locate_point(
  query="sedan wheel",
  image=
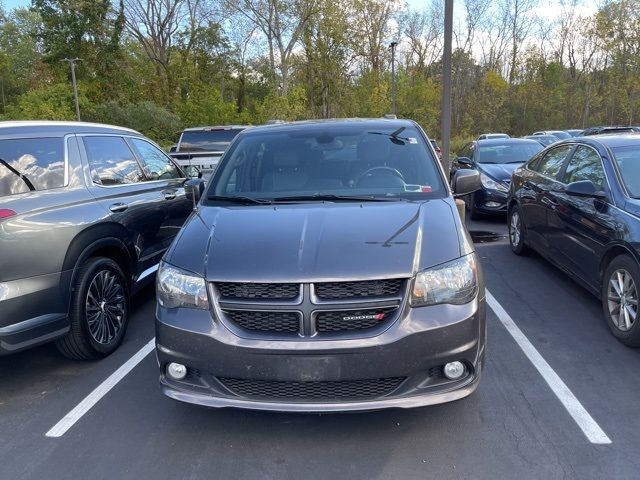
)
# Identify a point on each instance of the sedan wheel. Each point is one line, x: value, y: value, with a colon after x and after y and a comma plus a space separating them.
x: 620, y: 286
x: 622, y: 300
x: 516, y: 232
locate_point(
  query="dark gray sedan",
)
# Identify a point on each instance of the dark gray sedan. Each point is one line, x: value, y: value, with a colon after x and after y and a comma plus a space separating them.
x: 326, y: 269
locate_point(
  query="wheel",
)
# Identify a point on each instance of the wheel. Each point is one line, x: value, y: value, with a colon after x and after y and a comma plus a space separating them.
x: 100, y: 311
x: 516, y: 232
x: 620, y: 299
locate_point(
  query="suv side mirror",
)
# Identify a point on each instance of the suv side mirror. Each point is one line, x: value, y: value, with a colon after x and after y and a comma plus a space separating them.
x: 466, y: 182
x: 194, y: 188
x: 466, y: 161
x: 584, y: 188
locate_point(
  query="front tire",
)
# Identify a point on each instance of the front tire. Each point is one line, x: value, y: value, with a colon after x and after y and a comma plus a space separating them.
x: 100, y: 311
x: 516, y: 232
x: 620, y: 288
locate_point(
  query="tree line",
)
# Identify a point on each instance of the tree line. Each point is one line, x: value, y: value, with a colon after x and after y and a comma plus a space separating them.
x: 161, y: 65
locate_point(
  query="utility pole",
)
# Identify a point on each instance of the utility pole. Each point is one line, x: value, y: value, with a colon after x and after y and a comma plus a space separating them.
x: 393, y: 76
x: 72, y: 63
x: 445, y: 121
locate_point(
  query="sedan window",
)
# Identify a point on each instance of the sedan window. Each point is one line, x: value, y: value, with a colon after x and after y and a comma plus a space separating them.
x: 585, y: 165
x: 551, y: 163
x: 628, y: 161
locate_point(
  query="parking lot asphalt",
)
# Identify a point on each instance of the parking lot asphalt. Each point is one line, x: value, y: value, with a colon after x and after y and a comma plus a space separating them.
x: 514, y: 426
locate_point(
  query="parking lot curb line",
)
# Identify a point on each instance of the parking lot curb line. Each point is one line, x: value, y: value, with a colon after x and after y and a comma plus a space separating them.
x: 100, y: 391
x: 585, y: 421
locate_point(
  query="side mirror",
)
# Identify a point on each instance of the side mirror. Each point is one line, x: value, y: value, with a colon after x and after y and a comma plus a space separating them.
x: 194, y: 188
x: 466, y: 161
x: 466, y: 182
x: 584, y: 188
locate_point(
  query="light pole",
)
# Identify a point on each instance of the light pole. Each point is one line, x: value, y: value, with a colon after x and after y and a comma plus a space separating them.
x: 393, y: 76
x: 445, y: 121
x: 72, y: 63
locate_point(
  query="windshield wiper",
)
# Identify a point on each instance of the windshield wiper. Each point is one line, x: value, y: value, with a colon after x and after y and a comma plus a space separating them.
x: 394, y: 136
x: 516, y: 161
x: 339, y: 198
x: 26, y: 181
x: 240, y: 199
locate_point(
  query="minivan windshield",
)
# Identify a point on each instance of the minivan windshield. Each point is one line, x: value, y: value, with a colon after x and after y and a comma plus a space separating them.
x: 336, y: 162
x: 516, y: 152
x: 628, y: 160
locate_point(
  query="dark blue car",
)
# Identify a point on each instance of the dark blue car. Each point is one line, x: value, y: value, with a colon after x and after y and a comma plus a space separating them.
x: 577, y: 203
x: 496, y: 160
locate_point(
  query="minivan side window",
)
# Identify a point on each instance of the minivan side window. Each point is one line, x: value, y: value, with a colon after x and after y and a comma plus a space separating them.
x: 111, y: 161
x: 31, y: 164
x: 585, y: 165
x: 156, y: 163
x: 551, y: 163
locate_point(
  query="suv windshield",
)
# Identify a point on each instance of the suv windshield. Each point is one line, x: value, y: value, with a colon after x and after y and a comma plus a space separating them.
x: 31, y: 164
x: 628, y: 160
x: 505, y: 153
x: 207, y: 140
x: 329, y: 162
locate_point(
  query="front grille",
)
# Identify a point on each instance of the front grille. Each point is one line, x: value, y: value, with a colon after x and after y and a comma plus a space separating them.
x: 372, y: 288
x: 352, y: 320
x: 258, y: 291
x: 265, y: 322
x: 343, y: 389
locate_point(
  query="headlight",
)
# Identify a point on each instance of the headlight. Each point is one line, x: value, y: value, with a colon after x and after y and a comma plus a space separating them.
x: 455, y: 282
x: 490, y: 184
x: 178, y: 288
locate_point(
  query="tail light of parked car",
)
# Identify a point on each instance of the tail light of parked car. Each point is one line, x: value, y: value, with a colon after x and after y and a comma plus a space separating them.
x: 6, y: 213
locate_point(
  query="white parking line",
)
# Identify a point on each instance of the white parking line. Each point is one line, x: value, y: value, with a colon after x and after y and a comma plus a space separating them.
x: 100, y: 391
x: 579, y: 414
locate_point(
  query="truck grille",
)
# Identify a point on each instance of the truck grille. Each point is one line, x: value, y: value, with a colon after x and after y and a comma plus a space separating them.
x: 374, y: 288
x: 261, y: 291
x: 343, y: 389
x: 265, y: 322
x: 352, y: 320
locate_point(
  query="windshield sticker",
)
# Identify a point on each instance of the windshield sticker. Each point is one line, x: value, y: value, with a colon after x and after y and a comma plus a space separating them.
x: 412, y: 140
x: 418, y: 188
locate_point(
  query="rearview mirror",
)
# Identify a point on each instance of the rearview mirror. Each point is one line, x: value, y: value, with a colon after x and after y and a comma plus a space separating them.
x: 466, y: 182
x: 464, y: 161
x: 194, y: 188
x: 584, y: 188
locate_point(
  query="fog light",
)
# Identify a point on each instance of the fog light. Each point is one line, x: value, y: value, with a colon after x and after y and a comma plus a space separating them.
x: 492, y: 204
x: 177, y: 371
x: 454, y: 370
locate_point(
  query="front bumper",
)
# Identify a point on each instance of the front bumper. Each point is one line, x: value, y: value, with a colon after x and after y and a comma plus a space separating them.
x: 491, y: 202
x: 413, y: 348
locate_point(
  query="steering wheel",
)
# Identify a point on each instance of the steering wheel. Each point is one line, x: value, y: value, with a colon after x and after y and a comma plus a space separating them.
x: 393, y: 171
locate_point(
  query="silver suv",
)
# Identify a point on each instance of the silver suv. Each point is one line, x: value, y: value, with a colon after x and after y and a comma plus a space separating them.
x: 86, y: 212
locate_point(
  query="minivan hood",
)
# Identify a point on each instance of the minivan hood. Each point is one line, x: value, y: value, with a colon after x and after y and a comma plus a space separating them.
x: 319, y: 241
x: 499, y: 171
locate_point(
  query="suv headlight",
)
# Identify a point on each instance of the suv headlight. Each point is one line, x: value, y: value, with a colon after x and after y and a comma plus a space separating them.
x: 491, y: 184
x: 178, y: 288
x: 455, y: 282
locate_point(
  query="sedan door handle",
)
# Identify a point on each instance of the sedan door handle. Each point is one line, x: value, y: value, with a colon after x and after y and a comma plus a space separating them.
x: 169, y: 195
x: 550, y: 202
x: 118, y: 207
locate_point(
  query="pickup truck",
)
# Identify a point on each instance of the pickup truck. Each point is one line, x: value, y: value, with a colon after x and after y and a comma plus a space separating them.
x: 202, y: 147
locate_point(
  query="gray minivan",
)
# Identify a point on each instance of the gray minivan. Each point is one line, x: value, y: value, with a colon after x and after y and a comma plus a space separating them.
x: 86, y: 213
x: 326, y: 269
